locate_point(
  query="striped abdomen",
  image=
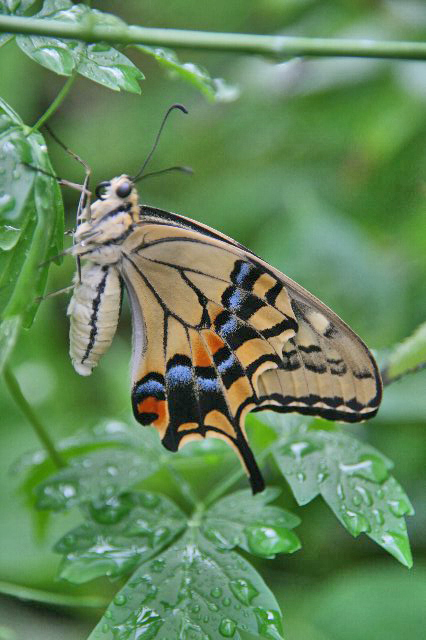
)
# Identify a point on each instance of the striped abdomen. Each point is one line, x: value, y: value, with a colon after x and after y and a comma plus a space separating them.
x: 94, y: 310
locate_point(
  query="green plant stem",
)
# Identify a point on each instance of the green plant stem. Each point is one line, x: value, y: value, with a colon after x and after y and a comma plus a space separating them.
x: 223, y: 487
x: 277, y: 46
x: 55, y: 104
x: 183, y: 486
x: 19, y: 398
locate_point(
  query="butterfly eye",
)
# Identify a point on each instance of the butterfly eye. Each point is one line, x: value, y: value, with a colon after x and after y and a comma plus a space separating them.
x: 100, y: 189
x: 124, y: 189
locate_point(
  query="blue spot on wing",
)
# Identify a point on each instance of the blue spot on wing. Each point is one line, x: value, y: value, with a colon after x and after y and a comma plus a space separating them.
x: 242, y: 273
x: 226, y: 364
x: 235, y: 300
x: 179, y: 374
x: 229, y: 326
x: 151, y: 387
x: 208, y: 384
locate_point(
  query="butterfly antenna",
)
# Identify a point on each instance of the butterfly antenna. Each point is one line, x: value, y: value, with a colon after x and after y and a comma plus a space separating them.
x: 168, y: 170
x: 83, y: 209
x: 157, y: 139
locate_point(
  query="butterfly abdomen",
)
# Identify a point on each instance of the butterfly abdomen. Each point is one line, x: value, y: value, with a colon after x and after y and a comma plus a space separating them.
x: 94, y: 310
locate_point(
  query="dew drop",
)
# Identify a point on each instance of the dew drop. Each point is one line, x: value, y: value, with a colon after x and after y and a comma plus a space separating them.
x: 243, y: 590
x: 399, y: 507
x: 112, y: 510
x: 356, y: 500
x: 158, y: 565
x: 321, y: 477
x: 340, y: 492
x: 120, y: 599
x: 369, y: 466
x: 149, y: 500
x: 218, y: 539
x: 301, y: 477
x: 364, y: 494
x: 216, y: 592
x: 378, y: 516
x: 213, y: 607
x: 355, y: 522
x: 269, y: 540
x: 226, y: 602
x: 227, y: 628
x: 397, y: 544
x: 298, y: 450
x: 7, y: 203
x: 268, y: 623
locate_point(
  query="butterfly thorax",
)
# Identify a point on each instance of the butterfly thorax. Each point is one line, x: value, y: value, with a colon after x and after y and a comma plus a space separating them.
x: 111, y: 219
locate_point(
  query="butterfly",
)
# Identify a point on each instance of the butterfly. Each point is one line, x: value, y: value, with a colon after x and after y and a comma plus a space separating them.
x: 217, y: 332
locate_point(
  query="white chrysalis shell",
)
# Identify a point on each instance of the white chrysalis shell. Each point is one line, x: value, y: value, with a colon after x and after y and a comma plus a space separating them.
x: 94, y: 310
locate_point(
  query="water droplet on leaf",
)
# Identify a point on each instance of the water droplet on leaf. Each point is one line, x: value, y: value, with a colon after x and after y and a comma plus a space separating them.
x: 269, y: 623
x: 369, y: 466
x: 298, y: 450
x: 227, y: 628
x: 399, y: 507
x: 120, y: 600
x: 7, y: 203
x: 355, y: 522
x: 397, y: 544
x: 243, y: 590
x: 112, y: 510
x: 268, y: 540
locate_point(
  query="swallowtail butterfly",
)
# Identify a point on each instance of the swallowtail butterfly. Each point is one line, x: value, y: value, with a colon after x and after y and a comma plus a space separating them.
x: 217, y: 332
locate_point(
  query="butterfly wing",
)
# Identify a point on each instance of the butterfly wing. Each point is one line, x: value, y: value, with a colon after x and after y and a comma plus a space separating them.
x: 219, y: 333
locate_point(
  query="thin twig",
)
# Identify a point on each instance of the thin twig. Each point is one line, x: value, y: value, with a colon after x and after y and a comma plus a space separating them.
x: 24, y: 406
x: 277, y: 46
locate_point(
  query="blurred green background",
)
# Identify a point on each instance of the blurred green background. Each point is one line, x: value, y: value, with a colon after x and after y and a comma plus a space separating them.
x: 319, y: 167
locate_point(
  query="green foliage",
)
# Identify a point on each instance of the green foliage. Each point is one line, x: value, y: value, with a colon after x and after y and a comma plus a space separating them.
x: 212, y: 88
x: 101, y: 62
x: 31, y: 215
x: 351, y: 476
x: 407, y: 356
x: 98, y: 62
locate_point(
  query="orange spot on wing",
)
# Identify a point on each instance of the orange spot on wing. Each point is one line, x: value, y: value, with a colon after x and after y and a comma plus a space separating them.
x: 214, y: 342
x: 156, y: 407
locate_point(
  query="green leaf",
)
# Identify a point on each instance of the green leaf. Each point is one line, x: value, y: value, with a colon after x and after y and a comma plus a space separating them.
x: 99, y: 62
x: 407, y: 356
x: 119, y: 534
x: 96, y: 476
x: 214, y: 89
x: 31, y: 219
x: 244, y: 520
x: 13, y: 8
x: 352, y: 477
x: 192, y: 591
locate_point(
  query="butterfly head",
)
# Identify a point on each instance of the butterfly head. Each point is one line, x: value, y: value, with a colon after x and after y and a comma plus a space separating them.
x: 112, y: 217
